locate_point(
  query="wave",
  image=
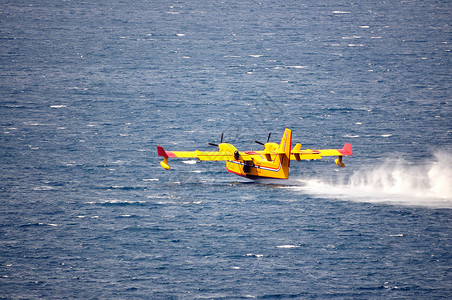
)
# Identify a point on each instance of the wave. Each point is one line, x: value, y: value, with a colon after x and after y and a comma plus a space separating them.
x: 396, y: 181
x: 117, y: 202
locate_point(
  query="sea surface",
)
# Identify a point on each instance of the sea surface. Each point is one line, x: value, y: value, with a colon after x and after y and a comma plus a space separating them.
x: 88, y: 89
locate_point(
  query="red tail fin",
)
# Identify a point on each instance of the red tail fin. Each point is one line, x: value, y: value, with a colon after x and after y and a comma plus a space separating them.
x: 161, y: 152
x: 347, y: 150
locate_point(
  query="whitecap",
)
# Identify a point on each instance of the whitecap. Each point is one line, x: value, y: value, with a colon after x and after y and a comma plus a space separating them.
x: 44, y: 188
x: 30, y: 123
x: 117, y: 202
x: 49, y: 224
x: 255, y: 255
x: 296, y: 67
x: 287, y: 246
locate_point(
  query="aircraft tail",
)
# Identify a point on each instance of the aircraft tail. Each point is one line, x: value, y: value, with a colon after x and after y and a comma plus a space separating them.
x: 283, y: 157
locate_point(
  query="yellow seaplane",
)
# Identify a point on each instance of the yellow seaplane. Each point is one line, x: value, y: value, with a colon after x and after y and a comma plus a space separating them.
x: 272, y: 162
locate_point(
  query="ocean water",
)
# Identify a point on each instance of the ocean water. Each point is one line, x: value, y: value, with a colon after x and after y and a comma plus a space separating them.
x: 89, y: 88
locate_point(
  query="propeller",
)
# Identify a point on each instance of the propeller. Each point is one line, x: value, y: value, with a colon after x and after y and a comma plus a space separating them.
x: 221, y: 141
x: 268, y: 139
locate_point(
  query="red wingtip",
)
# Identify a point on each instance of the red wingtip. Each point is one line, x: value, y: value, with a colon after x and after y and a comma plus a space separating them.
x: 161, y: 152
x: 347, y: 150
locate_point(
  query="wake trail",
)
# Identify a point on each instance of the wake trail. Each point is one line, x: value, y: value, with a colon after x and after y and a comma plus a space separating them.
x: 428, y: 183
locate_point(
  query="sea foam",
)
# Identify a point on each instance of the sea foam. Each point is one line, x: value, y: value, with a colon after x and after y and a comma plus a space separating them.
x: 428, y: 183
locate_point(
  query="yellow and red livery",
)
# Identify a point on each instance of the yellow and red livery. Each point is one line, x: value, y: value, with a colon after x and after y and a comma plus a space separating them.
x: 272, y: 162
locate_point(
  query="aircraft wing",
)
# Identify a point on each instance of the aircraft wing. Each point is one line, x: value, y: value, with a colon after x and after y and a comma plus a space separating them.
x: 201, y: 155
x: 298, y: 154
x: 347, y: 150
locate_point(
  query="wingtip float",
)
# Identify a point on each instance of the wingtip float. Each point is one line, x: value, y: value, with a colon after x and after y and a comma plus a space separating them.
x: 272, y: 162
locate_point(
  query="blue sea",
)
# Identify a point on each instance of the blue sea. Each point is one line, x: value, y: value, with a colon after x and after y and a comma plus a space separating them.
x: 88, y: 89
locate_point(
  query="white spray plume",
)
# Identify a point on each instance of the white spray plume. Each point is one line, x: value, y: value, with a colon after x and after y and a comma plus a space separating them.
x: 428, y: 183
